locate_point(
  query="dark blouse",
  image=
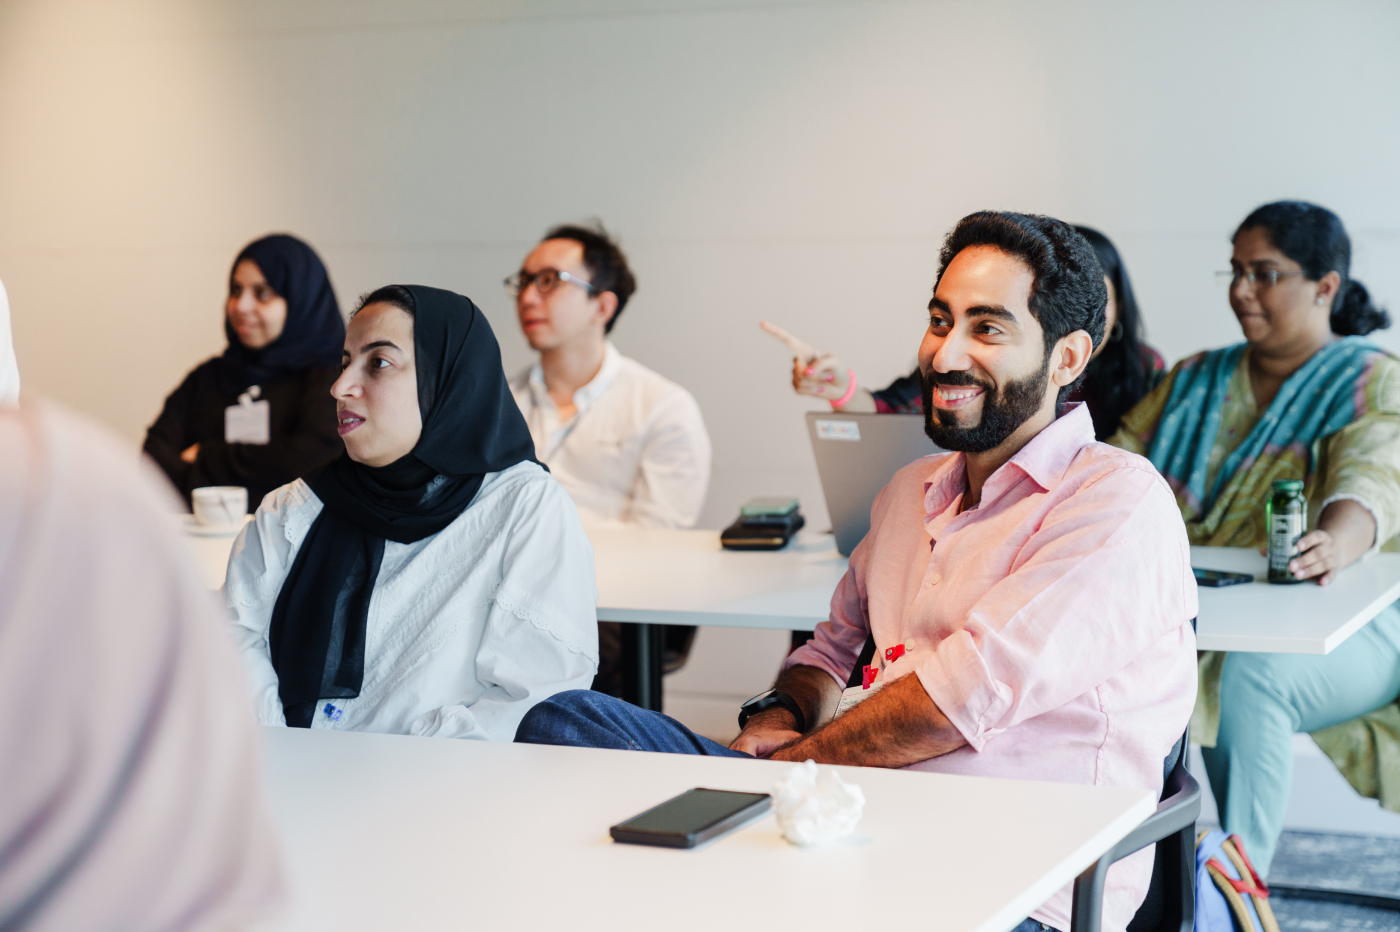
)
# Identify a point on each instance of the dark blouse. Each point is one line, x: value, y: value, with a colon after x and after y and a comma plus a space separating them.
x: 302, y: 433
x: 905, y: 395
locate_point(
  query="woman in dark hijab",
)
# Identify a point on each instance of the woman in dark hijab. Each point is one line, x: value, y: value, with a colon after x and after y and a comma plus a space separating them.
x: 433, y: 580
x: 261, y: 414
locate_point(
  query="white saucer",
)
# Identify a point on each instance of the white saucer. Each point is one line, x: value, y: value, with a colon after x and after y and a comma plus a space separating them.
x: 194, y: 528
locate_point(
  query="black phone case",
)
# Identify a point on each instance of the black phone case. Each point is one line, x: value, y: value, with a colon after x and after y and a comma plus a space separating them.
x: 762, y: 532
x: 1231, y: 579
x: 632, y: 836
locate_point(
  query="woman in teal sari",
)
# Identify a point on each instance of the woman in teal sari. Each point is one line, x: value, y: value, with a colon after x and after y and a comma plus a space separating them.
x: 1307, y: 397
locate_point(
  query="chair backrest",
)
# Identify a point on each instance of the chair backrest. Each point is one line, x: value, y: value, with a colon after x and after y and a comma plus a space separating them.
x: 1165, y: 908
x: 867, y: 654
x: 1174, y: 757
x: 1171, y: 895
x: 1162, y: 909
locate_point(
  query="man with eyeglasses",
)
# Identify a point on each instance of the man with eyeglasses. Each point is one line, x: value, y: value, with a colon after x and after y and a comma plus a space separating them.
x: 628, y: 445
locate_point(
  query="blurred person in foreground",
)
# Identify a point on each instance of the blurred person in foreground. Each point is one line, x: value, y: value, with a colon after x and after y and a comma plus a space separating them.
x: 9, y: 368
x: 132, y: 793
x: 1123, y: 368
x: 1030, y: 596
x: 628, y: 445
x: 1305, y: 397
x: 260, y: 414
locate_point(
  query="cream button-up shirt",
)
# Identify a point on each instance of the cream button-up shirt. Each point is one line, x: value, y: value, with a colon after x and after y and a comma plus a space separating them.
x: 468, y: 628
x: 636, y: 450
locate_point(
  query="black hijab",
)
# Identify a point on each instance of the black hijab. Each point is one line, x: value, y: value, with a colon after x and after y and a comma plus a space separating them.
x: 314, y: 333
x: 471, y: 426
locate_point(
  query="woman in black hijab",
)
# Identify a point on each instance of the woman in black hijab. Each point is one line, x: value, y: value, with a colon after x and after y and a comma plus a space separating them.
x: 433, y: 580
x: 261, y: 414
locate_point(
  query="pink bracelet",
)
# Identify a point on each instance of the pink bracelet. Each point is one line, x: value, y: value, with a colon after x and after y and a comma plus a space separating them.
x: 850, y: 390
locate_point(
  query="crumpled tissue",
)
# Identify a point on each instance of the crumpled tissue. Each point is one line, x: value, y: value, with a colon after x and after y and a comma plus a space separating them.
x: 814, y: 811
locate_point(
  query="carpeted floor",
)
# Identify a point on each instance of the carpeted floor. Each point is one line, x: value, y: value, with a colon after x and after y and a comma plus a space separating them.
x: 1316, y: 916
x: 1316, y: 861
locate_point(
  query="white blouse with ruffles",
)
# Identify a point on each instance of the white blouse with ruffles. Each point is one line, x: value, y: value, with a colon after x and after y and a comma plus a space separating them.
x: 467, y: 629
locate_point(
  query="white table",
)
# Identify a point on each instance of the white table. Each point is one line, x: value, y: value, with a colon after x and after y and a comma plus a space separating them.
x: 677, y: 577
x: 387, y: 832
x: 686, y: 578
x: 650, y: 578
x: 1300, y: 619
x: 211, y: 557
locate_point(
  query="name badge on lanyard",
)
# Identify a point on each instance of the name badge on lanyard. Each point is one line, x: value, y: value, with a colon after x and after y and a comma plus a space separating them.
x: 872, y: 678
x: 249, y: 421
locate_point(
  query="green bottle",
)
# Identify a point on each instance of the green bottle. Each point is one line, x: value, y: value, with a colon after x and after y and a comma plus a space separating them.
x: 1286, y: 518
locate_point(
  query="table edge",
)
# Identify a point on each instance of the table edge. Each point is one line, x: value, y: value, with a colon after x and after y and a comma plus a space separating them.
x: 1071, y: 867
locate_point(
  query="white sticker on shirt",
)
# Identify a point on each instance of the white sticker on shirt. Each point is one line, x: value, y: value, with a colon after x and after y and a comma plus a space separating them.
x: 854, y: 695
x: 248, y: 422
x: 838, y: 430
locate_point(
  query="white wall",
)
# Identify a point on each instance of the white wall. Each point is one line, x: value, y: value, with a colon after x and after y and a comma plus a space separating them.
x: 793, y: 160
x: 787, y: 159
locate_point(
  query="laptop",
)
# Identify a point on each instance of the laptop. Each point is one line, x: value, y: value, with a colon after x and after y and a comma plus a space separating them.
x: 857, y: 455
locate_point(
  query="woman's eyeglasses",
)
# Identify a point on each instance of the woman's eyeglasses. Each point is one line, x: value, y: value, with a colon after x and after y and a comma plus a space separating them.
x: 546, y: 280
x: 1267, y: 278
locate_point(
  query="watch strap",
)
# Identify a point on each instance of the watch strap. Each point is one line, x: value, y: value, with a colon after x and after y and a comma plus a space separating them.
x: 774, y: 698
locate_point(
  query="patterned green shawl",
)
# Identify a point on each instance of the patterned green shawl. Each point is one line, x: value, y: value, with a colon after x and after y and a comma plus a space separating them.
x: 1348, y: 392
x: 1318, y: 400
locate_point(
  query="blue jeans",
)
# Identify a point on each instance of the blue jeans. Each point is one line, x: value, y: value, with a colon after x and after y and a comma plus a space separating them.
x: 1267, y: 698
x: 1033, y: 925
x: 581, y: 718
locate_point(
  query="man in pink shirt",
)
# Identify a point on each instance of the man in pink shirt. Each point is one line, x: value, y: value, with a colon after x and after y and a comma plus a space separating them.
x: 1036, y: 584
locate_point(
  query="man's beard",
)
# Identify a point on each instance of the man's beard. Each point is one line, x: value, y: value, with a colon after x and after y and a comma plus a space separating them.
x: 1002, y: 412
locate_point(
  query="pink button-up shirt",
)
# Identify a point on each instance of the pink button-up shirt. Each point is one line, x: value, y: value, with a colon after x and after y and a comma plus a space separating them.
x: 1051, y: 624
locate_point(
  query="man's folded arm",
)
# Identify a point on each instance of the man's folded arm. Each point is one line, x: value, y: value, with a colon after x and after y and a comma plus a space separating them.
x: 814, y: 691
x: 898, y: 726
x: 1080, y: 607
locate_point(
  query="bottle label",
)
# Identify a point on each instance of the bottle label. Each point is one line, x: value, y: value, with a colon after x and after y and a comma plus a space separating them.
x: 1284, y: 531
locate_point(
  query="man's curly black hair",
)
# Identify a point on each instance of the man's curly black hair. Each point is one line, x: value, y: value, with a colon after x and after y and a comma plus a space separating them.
x: 1067, y: 293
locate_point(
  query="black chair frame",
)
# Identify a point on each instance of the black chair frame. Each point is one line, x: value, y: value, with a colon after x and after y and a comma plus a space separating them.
x: 1170, y: 905
x: 1171, y: 899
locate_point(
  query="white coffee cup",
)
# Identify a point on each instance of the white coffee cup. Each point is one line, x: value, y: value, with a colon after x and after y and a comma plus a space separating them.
x: 220, y: 504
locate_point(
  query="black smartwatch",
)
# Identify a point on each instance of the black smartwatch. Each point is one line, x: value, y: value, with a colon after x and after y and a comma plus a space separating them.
x: 767, y: 700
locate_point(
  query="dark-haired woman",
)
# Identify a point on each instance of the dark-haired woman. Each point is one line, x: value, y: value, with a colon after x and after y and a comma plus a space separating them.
x: 1122, y: 370
x: 1305, y: 397
x: 260, y: 414
x: 433, y: 580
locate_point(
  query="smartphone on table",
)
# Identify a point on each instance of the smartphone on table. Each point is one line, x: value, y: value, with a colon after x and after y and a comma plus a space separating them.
x: 1218, y: 578
x: 692, y: 818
